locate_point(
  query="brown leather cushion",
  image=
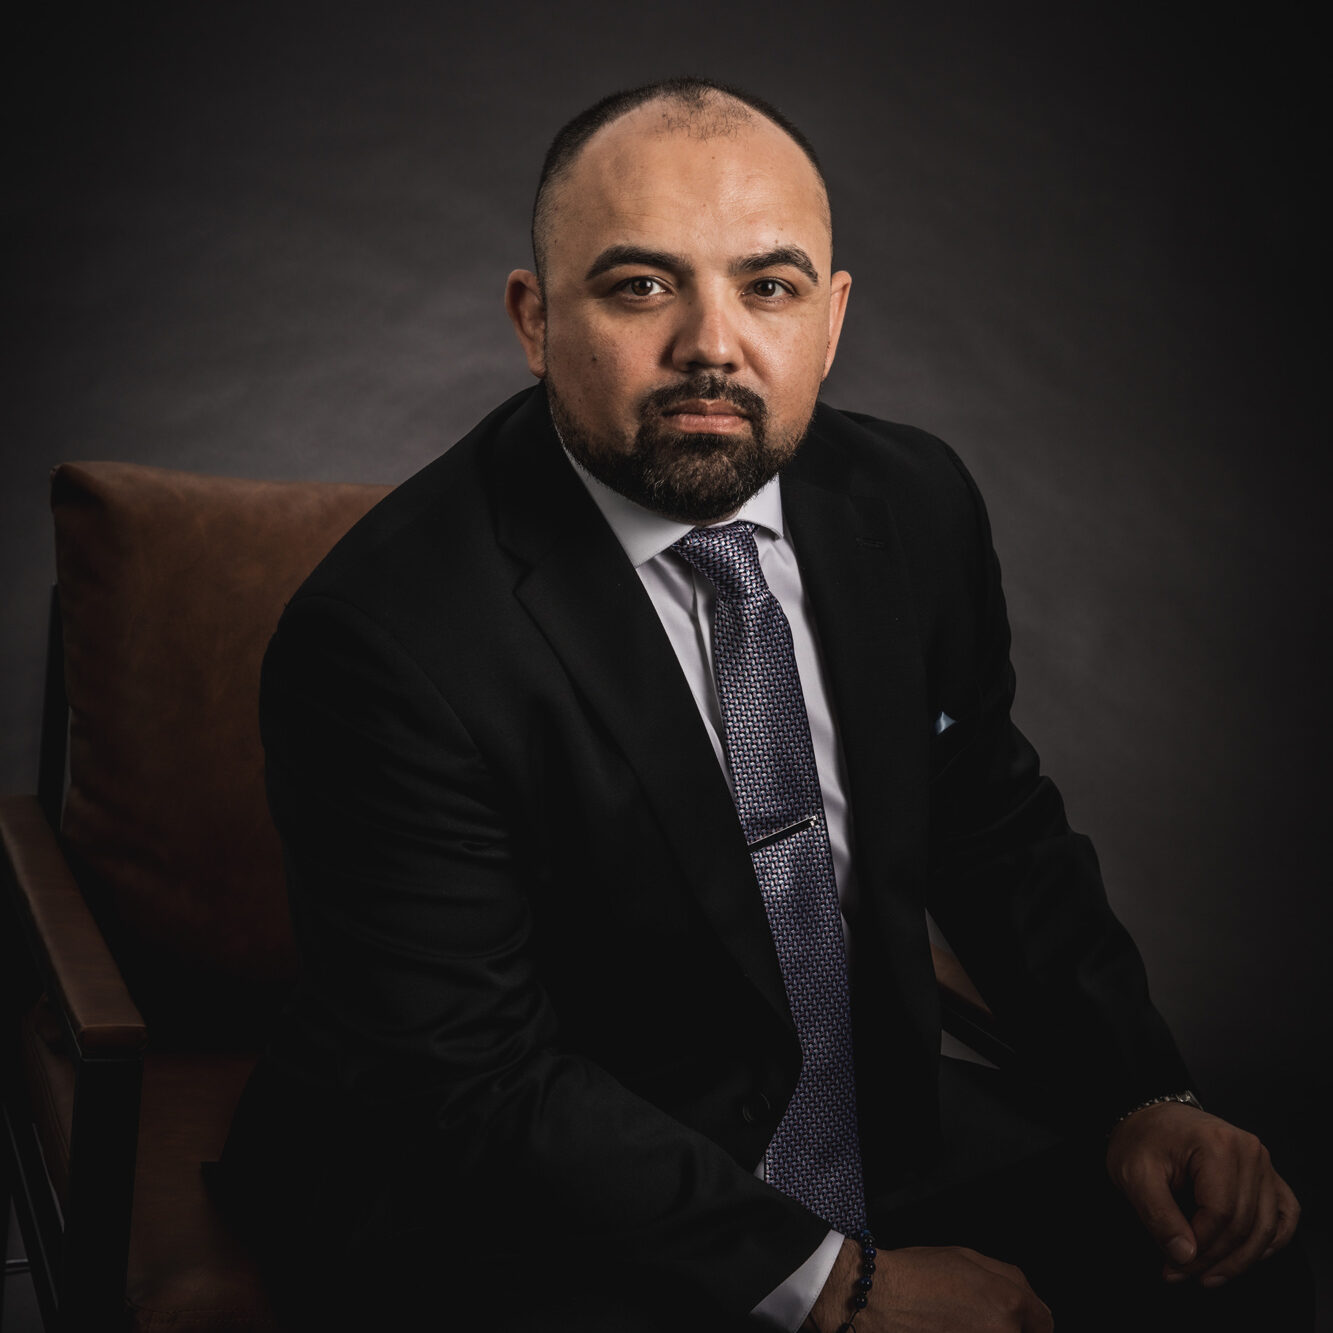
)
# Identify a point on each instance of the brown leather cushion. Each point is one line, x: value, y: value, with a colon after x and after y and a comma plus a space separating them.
x: 187, y: 1270
x: 170, y: 587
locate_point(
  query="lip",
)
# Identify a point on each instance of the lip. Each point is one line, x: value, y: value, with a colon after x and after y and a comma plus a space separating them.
x: 707, y: 416
x: 705, y: 407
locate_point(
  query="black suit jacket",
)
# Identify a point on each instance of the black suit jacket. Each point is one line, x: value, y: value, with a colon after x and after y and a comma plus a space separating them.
x: 538, y: 980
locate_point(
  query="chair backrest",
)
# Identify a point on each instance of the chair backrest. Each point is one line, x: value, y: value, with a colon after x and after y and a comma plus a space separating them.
x: 170, y: 585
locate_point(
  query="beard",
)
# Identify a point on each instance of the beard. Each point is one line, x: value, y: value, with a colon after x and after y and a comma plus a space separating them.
x: 688, y: 476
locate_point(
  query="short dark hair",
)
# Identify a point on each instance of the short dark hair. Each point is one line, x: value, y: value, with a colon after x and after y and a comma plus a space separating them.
x: 691, y: 92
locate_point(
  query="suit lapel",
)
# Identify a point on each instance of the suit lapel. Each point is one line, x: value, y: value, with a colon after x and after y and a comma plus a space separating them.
x: 855, y: 575
x: 581, y: 590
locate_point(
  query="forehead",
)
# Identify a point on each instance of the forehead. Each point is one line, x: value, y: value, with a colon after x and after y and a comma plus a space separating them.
x: 725, y: 181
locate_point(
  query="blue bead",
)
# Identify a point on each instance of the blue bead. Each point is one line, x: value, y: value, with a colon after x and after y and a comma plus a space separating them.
x: 868, y: 1252
x: 868, y: 1266
x: 859, y: 1301
x: 865, y: 1283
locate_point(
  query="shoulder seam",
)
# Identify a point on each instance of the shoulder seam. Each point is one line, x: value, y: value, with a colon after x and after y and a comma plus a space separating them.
x: 400, y: 649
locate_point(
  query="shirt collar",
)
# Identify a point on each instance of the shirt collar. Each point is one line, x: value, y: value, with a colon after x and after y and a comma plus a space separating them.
x: 645, y: 534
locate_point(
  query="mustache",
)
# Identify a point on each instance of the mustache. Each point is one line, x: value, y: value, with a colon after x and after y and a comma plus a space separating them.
x: 706, y: 385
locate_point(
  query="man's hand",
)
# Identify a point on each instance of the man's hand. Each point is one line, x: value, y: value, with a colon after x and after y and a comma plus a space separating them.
x: 931, y: 1291
x: 1243, y: 1210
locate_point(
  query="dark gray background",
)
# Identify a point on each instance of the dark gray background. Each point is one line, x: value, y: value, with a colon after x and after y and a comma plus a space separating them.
x: 271, y: 241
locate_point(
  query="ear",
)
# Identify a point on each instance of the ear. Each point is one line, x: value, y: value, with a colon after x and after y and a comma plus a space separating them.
x: 527, y: 310
x: 840, y: 286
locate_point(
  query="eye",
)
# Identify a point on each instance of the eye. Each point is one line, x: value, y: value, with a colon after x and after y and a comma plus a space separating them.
x: 643, y: 286
x: 770, y: 289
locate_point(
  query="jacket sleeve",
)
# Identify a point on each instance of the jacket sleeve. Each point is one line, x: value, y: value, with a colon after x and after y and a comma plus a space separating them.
x: 1020, y: 897
x: 411, y: 898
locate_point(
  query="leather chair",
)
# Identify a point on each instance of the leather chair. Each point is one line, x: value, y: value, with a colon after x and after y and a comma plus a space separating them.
x: 145, y: 886
x: 146, y: 882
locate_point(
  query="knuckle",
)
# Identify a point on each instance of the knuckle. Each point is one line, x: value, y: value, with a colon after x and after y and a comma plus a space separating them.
x: 1141, y: 1171
x: 1161, y: 1225
x: 1008, y: 1299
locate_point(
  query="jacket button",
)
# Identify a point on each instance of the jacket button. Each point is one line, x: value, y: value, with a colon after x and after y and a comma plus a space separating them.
x: 756, y: 1108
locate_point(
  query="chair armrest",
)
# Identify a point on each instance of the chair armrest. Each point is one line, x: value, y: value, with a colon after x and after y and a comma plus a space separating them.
x: 76, y: 965
x: 965, y: 1013
x: 954, y: 981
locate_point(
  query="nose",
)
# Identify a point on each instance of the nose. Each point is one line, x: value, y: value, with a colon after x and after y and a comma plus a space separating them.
x: 707, y: 334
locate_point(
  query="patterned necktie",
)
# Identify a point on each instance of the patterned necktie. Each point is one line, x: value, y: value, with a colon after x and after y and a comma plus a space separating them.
x: 815, y: 1154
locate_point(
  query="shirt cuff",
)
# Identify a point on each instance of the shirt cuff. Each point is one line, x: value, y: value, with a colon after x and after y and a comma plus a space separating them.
x: 786, y: 1306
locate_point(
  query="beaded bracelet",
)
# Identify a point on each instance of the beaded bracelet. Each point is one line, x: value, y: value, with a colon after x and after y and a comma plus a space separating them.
x: 861, y: 1290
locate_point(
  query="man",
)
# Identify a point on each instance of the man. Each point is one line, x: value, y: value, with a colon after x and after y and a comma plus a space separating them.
x: 618, y: 758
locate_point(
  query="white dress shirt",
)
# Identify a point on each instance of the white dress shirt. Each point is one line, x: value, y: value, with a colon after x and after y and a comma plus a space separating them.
x: 683, y: 599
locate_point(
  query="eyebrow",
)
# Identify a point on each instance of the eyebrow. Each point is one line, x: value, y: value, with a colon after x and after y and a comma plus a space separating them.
x: 616, y: 256
x: 789, y: 256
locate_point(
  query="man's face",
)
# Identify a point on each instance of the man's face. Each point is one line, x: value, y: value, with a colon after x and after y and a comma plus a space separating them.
x: 688, y: 314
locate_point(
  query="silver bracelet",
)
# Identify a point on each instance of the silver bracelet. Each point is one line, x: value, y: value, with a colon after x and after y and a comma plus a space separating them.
x: 1186, y: 1098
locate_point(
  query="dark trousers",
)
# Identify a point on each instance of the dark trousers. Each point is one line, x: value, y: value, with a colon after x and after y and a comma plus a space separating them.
x: 1009, y: 1186
x: 1084, y: 1252
x: 1012, y: 1186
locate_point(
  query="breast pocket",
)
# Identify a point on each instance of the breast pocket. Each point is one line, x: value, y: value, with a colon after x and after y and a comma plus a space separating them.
x: 949, y: 743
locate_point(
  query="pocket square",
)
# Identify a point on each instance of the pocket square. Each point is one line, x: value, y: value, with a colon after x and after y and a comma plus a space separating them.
x: 943, y: 723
